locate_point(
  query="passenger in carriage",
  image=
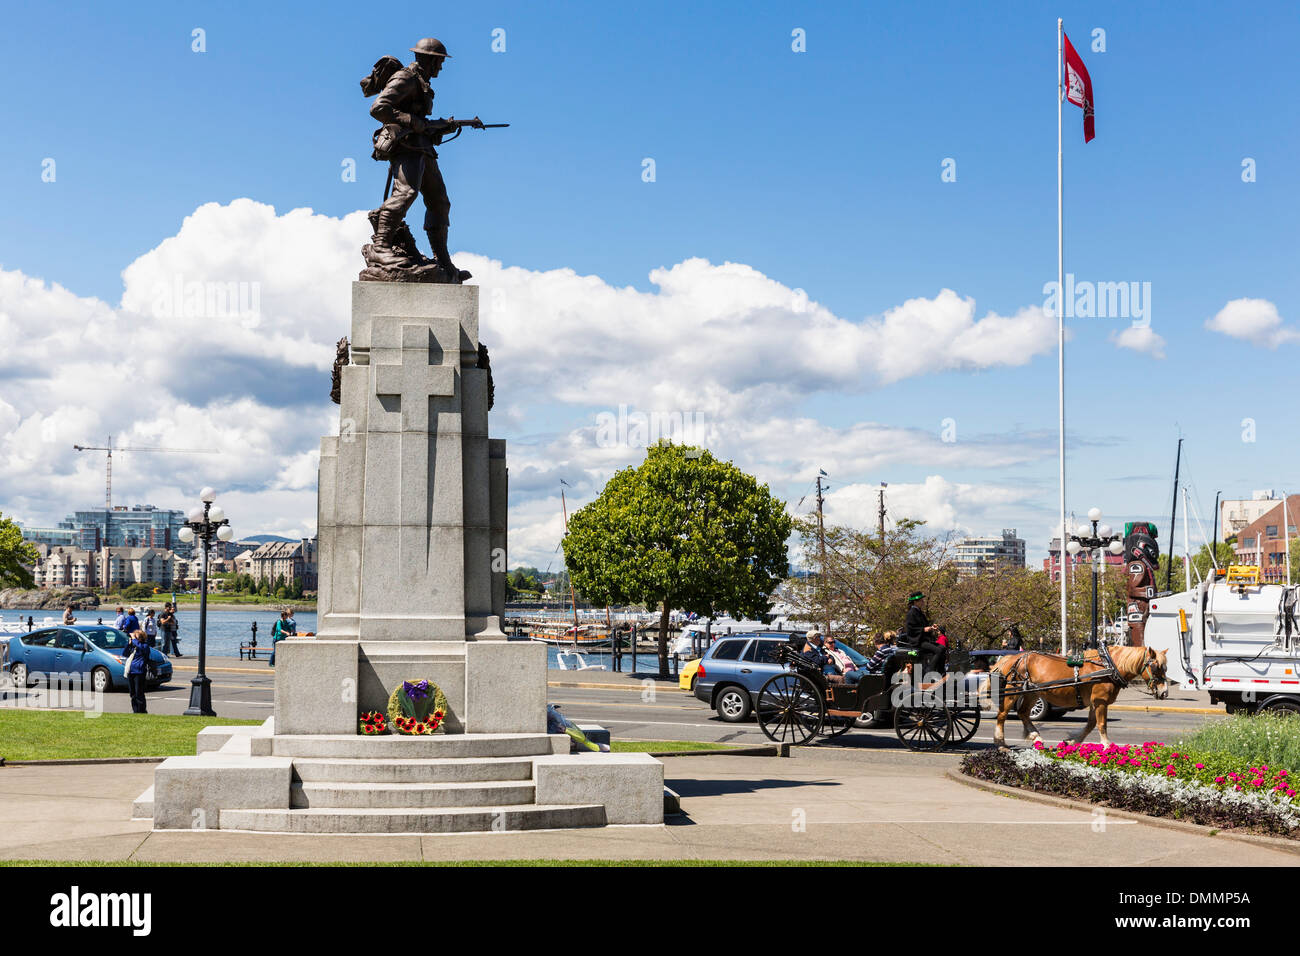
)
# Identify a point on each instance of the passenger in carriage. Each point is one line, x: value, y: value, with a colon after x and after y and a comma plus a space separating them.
x: 814, y: 652
x: 884, y: 651
x: 842, y: 663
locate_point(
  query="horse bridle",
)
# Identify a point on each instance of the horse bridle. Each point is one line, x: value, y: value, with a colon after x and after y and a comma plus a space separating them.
x: 1149, y: 678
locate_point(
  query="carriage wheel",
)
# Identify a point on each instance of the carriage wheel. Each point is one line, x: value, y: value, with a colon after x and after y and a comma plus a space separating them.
x: 923, y: 723
x: 964, y: 724
x: 789, y: 709
x: 836, y: 726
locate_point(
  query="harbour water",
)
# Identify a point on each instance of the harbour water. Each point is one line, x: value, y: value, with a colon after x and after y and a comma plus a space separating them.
x: 227, y: 629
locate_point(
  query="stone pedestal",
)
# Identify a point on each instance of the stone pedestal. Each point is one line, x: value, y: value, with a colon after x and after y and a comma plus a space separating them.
x: 412, y: 552
x: 412, y: 530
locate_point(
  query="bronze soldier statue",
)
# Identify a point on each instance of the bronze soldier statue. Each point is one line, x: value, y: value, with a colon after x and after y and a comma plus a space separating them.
x: 407, y: 140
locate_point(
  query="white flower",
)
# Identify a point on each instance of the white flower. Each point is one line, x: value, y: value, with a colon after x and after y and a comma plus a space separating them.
x: 1182, y: 791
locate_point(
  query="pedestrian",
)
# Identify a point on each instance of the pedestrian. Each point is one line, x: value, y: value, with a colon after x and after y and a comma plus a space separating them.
x: 150, y: 628
x: 132, y: 623
x: 168, y: 623
x: 137, y: 668
x: 290, y: 624
x: 67, y: 615
x: 278, y: 633
x: 120, y: 623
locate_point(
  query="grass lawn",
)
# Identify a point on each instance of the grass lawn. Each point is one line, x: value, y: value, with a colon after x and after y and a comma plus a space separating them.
x: 664, y: 746
x: 72, y: 735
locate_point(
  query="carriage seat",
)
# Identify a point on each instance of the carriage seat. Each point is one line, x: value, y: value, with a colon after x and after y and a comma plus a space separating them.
x: 835, y: 680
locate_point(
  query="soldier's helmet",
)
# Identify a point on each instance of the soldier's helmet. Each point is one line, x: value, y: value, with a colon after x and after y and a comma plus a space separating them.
x: 432, y: 47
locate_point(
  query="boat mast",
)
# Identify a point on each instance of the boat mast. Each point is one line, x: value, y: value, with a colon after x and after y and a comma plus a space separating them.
x: 1169, y: 559
x: 573, y: 599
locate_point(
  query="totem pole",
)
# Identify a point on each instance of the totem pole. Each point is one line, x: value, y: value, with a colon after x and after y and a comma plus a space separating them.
x: 1141, y: 557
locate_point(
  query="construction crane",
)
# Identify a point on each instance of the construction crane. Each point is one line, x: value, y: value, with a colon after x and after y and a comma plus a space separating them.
x: 108, y: 474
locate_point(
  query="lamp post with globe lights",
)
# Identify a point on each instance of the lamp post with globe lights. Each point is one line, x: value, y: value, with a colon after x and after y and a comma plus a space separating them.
x: 204, y: 523
x: 1101, y: 538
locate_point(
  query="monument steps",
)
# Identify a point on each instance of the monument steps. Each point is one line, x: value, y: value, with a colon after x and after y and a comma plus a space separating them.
x: 405, y: 748
x: 363, y: 796
x: 430, y: 820
x: 419, y: 770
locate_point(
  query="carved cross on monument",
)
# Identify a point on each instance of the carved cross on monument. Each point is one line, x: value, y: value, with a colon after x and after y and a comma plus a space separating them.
x: 407, y: 387
x: 407, y: 381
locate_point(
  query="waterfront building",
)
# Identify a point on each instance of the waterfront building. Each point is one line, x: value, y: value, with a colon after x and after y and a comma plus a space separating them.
x: 979, y: 555
x: 119, y: 567
x: 292, y: 559
x: 1236, y: 513
x: 61, y: 567
x: 140, y: 526
x: 1263, y: 541
x: 1052, y: 563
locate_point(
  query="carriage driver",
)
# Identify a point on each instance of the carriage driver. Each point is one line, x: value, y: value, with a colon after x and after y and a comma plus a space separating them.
x: 918, y: 634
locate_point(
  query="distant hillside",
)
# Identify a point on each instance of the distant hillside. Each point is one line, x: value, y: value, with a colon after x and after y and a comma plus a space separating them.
x: 263, y: 538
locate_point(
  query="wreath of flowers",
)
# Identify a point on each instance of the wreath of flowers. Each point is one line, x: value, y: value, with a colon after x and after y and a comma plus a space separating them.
x: 417, y: 707
x: 374, y: 722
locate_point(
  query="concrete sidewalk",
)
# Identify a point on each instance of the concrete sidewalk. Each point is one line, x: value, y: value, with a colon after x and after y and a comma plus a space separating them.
x: 896, y: 807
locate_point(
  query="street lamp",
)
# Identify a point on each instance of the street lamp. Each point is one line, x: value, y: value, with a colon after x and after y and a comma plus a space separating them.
x: 205, y: 523
x: 1101, y: 538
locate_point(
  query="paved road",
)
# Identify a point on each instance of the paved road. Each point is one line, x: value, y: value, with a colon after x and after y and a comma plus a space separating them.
x: 653, y: 710
x: 819, y: 804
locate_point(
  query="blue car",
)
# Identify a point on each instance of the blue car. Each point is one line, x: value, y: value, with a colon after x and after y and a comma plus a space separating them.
x: 93, y: 652
x: 735, y: 667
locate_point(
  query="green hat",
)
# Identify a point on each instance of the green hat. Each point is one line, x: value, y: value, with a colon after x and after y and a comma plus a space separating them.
x: 916, y: 596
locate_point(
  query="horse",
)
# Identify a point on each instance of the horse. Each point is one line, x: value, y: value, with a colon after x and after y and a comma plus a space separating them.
x: 1035, y: 668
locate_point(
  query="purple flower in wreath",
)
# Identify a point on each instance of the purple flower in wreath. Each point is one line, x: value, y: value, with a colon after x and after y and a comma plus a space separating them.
x: 416, y: 691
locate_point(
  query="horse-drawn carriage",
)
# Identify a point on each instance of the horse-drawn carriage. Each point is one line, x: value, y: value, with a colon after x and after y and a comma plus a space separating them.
x: 803, y: 704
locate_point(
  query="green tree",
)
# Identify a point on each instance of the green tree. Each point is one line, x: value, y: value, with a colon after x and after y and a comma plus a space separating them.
x: 17, y: 557
x: 683, y: 531
x: 1203, y: 564
x: 140, y: 591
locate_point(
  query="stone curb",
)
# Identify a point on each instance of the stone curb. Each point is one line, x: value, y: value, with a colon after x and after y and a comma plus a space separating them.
x: 81, y: 761
x: 592, y: 685
x: 1217, y: 711
x: 777, y: 750
x: 1277, y: 843
x: 224, y: 670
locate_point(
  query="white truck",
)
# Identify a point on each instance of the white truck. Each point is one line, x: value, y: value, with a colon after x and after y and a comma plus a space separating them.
x: 1233, y: 636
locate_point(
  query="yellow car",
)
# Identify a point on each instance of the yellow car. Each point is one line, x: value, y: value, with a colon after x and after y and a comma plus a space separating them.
x: 686, y: 676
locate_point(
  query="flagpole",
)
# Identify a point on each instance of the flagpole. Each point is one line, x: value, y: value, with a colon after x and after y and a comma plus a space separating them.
x: 1060, y: 310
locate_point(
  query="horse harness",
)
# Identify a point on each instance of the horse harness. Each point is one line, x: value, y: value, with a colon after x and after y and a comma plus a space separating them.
x: 1110, y: 673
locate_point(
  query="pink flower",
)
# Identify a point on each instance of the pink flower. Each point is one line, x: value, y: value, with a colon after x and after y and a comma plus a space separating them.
x: 1172, y: 772
x: 1237, y: 787
x: 1200, y: 766
x: 1218, y: 780
x: 1281, y: 773
x: 1290, y: 792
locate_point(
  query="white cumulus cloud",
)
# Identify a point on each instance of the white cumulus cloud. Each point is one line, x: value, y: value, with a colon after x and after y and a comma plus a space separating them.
x: 224, y: 335
x: 1253, y: 320
x: 1140, y: 338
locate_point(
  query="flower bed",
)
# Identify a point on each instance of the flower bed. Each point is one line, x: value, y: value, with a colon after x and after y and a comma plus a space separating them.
x: 1160, y: 780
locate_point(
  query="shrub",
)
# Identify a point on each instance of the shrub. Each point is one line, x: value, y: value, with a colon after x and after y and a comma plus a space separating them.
x: 1267, y: 738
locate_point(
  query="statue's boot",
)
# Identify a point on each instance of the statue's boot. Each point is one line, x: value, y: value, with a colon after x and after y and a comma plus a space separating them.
x: 392, y: 244
x: 438, y: 242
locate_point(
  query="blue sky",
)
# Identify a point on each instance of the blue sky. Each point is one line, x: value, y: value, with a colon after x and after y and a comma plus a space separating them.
x: 819, y: 169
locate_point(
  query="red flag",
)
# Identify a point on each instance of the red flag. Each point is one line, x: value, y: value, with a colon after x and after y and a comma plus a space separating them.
x: 1078, y: 88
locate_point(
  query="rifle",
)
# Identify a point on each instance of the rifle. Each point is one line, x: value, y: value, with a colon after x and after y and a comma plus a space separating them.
x: 440, y: 128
